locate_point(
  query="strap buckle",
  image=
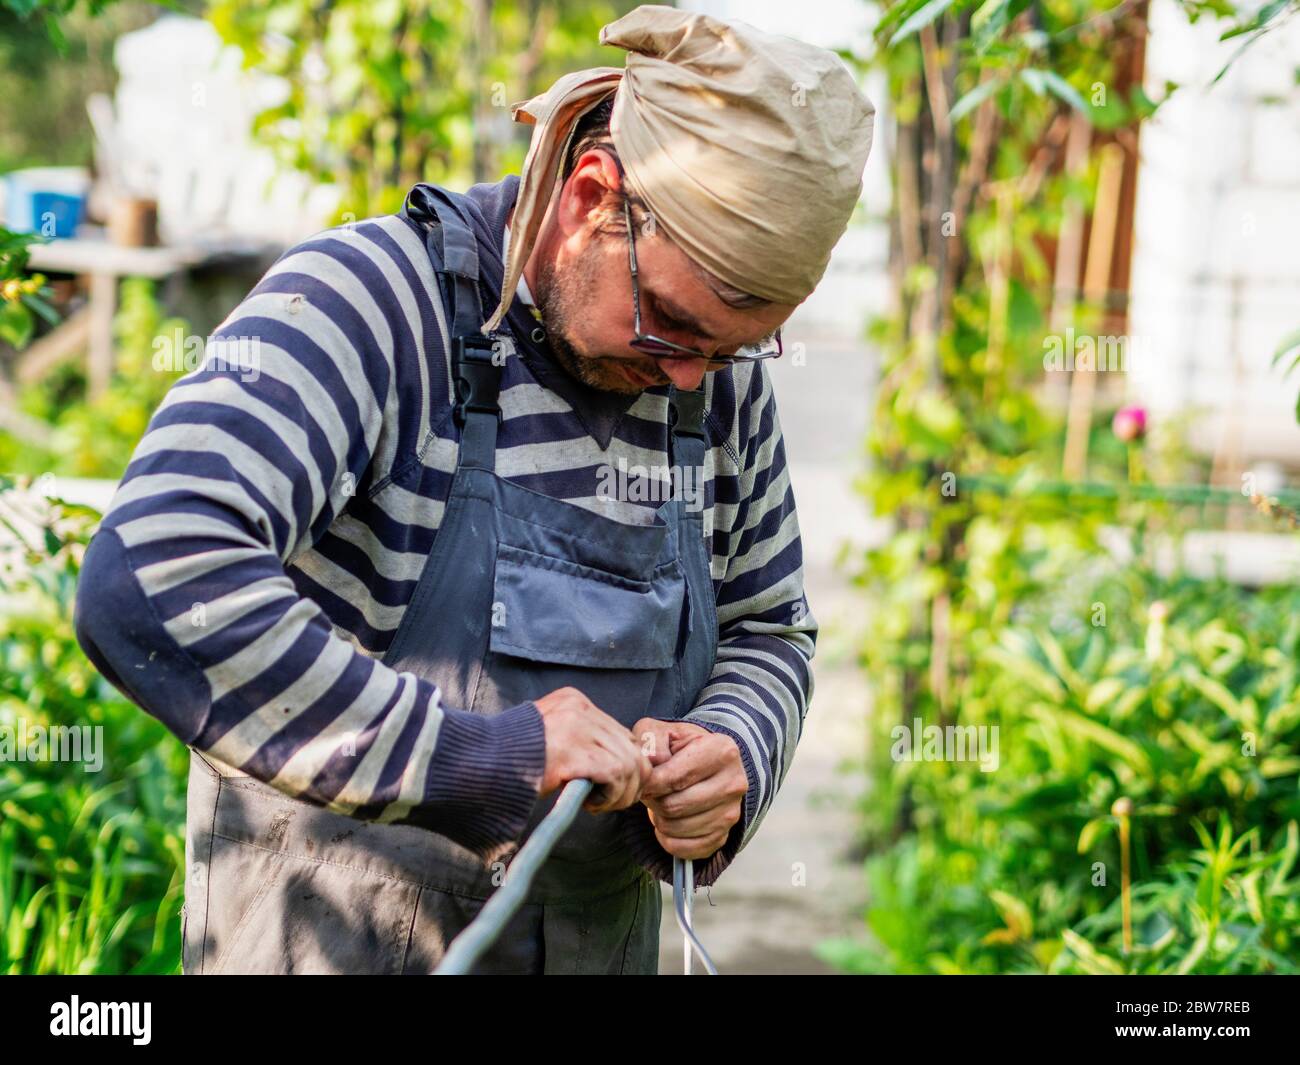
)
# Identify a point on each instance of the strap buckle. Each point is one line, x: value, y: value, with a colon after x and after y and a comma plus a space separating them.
x: 686, y: 413
x: 477, y: 374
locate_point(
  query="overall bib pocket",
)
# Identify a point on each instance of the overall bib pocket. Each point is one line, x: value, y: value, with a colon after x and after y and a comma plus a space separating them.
x: 557, y: 623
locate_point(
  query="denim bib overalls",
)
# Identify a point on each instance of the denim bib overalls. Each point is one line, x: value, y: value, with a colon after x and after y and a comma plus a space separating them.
x: 521, y: 594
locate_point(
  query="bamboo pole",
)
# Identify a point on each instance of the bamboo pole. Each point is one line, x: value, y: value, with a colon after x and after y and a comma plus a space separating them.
x: 999, y: 288
x: 1069, y: 245
x: 1096, y: 280
x: 1122, y: 808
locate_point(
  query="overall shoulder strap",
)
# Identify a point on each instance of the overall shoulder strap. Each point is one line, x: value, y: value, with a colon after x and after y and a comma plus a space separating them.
x: 475, y: 360
x: 686, y: 421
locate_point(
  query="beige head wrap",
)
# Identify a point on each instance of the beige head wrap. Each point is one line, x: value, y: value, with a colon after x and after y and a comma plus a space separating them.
x: 747, y: 147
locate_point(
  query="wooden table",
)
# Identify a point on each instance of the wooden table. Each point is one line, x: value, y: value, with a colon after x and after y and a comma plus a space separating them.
x: 92, y: 255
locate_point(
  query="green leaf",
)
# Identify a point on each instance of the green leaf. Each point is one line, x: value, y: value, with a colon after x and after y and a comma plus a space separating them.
x: 991, y: 18
x: 1092, y: 960
x: 1238, y: 54
x: 920, y: 18
x: 1035, y: 80
x: 1104, y: 693
x: 1155, y: 934
x: 42, y: 308
x: 990, y: 14
x: 1143, y: 105
x: 1289, y: 346
x: 1015, y: 913
x: 1219, y: 695
x: 974, y: 98
x: 938, y: 415
x: 1288, y: 858
x: 1061, y: 88
x: 1194, y: 955
x: 16, y: 324
x: 1278, y: 767
x: 1060, y: 662
x: 1265, y: 15
x: 1108, y: 739
x: 1016, y: 661
x: 1092, y: 831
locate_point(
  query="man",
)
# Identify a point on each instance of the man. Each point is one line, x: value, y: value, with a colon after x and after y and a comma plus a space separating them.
x: 421, y: 570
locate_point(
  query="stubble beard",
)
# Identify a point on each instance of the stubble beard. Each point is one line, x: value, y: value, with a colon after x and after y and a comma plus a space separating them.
x: 561, y: 300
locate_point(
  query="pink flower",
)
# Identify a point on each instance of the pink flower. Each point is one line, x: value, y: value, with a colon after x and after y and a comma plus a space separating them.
x: 1130, y: 423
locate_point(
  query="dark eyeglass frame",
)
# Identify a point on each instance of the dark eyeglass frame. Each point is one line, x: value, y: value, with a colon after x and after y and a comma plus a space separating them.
x: 660, y: 348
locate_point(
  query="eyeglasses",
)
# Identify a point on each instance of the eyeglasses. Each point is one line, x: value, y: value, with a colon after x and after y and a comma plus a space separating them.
x: 659, y: 348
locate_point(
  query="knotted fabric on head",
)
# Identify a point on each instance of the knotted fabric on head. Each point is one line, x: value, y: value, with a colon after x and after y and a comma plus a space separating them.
x: 747, y: 147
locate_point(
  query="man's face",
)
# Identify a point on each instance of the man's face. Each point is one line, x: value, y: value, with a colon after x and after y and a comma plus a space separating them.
x: 583, y: 287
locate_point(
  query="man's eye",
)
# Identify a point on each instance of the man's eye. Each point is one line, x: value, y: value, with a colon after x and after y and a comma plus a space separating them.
x: 666, y: 320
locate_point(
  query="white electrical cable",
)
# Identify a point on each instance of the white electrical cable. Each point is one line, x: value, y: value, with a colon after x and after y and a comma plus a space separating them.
x: 481, y: 933
x: 683, y: 889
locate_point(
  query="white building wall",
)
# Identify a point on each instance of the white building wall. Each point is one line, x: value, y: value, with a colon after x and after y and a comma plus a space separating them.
x: 1216, y: 271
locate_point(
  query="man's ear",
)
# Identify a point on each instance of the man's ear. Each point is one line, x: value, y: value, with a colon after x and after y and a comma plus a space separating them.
x: 594, y: 180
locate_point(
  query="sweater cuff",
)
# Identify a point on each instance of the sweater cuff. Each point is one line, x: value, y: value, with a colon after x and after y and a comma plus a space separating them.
x: 483, y: 778
x: 639, y: 833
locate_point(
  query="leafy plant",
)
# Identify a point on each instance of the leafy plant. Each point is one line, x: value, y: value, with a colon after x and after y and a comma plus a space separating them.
x: 386, y: 94
x: 95, y: 438
x: 22, y: 297
x: 984, y: 604
x: 1183, y: 705
x: 90, y: 861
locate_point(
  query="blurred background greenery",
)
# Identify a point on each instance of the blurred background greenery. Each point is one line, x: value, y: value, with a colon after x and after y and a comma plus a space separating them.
x: 90, y: 863
x: 1146, y: 717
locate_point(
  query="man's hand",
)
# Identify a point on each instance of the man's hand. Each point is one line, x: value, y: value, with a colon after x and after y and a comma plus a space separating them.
x: 584, y: 741
x: 696, y: 792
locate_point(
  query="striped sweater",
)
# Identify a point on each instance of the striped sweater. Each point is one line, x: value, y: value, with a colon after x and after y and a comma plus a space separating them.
x: 258, y: 555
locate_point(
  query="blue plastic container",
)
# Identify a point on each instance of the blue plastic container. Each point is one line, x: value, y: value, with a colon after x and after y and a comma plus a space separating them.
x: 50, y: 200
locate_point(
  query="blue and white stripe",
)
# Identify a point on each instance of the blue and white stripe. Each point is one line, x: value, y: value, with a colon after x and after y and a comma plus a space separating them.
x: 276, y: 526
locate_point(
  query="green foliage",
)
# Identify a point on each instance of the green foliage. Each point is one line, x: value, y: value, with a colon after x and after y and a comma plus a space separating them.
x: 1290, y: 349
x: 386, y: 94
x: 90, y: 862
x: 95, y: 438
x: 22, y: 298
x: 90, y: 873
x: 984, y: 606
x: 1251, y: 23
x: 48, y: 15
x: 57, y: 51
x: 1179, y: 696
x: 59, y: 60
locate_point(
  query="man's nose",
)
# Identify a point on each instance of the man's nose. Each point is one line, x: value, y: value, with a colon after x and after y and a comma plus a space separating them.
x: 686, y: 374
